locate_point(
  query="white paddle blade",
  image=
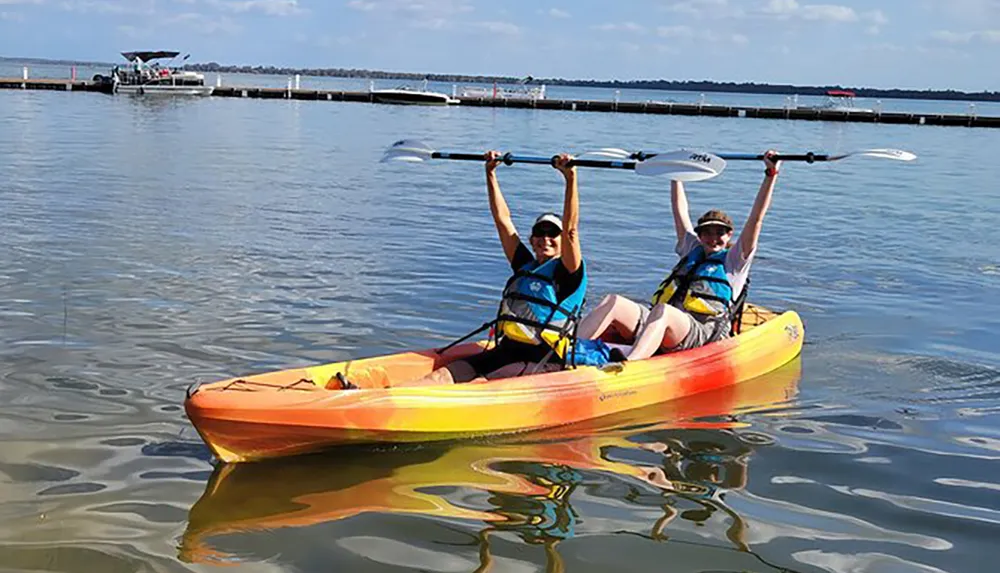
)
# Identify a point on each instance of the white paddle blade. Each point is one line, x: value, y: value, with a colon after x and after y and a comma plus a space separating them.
x: 683, y: 165
x: 408, y: 150
x: 613, y: 153
x: 897, y: 154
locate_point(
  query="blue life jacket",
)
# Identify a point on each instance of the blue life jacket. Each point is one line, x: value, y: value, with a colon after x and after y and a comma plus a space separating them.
x: 531, y: 313
x: 698, y: 285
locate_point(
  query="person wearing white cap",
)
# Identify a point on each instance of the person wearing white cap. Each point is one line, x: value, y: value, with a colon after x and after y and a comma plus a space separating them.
x: 542, y: 300
x: 698, y: 301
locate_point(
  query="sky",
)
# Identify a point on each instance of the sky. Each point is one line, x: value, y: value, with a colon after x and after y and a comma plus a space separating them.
x: 913, y: 44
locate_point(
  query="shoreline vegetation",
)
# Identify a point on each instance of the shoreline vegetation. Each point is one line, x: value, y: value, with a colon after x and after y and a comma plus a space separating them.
x: 659, y: 84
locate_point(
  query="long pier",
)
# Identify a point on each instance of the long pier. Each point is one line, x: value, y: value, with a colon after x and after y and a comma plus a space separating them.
x: 663, y: 108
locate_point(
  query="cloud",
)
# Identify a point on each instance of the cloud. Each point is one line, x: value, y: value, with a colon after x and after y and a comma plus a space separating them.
x: 631, y: 27
x: 780, y: 7
x: 190, y: 21
x: 877, y: 19
x: 495, y: 27
x: 706, y: 9
x: 680, y: 32
x: 983, y: 36
x: 363, y: 5
x: 687, y: 33
x: 436, y: 7
x: 11, y: 17
x: 202, y: 23
x: 887, y: 47
x: 557, y: 13
x: 269, y: 7
x: 434, y: 15
x: 145, y: 7
x: 432, y: 24
x: 785, y: 9
x: 828, y: 13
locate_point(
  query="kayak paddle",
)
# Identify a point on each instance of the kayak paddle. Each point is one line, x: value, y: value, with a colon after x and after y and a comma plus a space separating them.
x: 679, y: 165
x: 810, y: 157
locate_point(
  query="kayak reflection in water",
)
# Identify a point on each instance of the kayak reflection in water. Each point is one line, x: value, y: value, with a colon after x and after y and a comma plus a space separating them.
x: 543, y: 517
x: 529, y: 491
x: 543, y: 298
x: 697, y: 468
x: 701, y: 469
x: 701, y: 300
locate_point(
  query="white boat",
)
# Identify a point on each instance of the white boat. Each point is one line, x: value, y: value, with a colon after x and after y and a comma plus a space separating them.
x: 146, y: 76
x: 411, y: 96
x: 521, y: 92
x: 839, y: 100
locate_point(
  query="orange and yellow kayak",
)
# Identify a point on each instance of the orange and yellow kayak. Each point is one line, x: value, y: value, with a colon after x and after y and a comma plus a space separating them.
x: 301, y: 410
x: 309, y: 490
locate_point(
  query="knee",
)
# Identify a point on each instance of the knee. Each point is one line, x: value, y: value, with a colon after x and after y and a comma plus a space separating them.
x: 612, y: 300
x: 670, y: 315
x: 658, y: 311
x: 607, y: 301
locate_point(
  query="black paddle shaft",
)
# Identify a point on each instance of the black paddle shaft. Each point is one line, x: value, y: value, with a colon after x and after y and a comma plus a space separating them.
x: 510, y: 159
x: 806, y: 157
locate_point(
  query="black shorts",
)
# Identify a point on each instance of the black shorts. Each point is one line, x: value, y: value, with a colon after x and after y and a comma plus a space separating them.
x: 508, y: 352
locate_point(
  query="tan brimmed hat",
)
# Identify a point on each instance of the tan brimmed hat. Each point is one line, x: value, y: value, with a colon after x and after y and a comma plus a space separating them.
x: 714, y: 217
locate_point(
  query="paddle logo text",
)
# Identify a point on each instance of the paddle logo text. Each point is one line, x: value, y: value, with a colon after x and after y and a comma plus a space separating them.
x: 700, y: 157
x: 792, y: 331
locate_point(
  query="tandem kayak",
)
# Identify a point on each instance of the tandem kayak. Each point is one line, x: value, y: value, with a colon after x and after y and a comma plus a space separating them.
x: 686, y: 447
x: 302, y: 410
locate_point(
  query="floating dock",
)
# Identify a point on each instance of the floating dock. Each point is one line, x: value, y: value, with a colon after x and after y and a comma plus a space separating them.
x: 663, y: 108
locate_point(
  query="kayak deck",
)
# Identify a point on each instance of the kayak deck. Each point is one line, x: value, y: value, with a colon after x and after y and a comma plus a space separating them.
x: 300, y: 410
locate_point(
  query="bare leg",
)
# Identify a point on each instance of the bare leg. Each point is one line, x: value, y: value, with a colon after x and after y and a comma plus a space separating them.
x: 457, y: 372
x: 614, y: 311
x: 666, y: 326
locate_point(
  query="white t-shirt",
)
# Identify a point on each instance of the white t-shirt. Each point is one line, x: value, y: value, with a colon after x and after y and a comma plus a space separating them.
x: 737, y: 268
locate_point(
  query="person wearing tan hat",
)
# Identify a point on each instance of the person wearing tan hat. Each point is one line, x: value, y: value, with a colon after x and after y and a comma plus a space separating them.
x: 542, y: 300
x: 694, y: 304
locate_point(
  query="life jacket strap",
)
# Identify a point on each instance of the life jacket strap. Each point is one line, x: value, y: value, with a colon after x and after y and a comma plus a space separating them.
x: 570, y: 358
x: 484, y: 326
x: 737, y: 313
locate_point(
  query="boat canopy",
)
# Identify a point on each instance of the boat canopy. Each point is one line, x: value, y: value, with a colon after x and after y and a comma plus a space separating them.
x: 840, y: 93
x: 147, y: 56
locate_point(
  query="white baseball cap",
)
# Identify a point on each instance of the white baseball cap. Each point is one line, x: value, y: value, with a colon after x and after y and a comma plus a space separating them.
x: 550, y: 218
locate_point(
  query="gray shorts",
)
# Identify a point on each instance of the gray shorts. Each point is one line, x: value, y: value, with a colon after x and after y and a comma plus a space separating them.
x: 700, y: 333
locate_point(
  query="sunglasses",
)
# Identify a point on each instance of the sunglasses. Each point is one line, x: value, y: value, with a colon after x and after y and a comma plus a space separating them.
x: 714, y: 230
x: 550, y: 231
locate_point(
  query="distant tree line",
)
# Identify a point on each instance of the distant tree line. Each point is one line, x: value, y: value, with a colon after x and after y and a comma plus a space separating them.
x: 685, y: 85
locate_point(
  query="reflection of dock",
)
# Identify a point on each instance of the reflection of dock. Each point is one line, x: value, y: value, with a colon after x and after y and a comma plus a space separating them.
x: 662, y: 108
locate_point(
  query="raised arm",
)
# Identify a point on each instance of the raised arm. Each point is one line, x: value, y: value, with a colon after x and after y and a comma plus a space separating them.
x: 751, y: 231
x: 498, y: 207
x: 679, y: 205
x: 572, y: 255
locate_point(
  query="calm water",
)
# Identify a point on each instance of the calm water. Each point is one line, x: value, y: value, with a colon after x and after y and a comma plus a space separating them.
x: 148, y: 244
